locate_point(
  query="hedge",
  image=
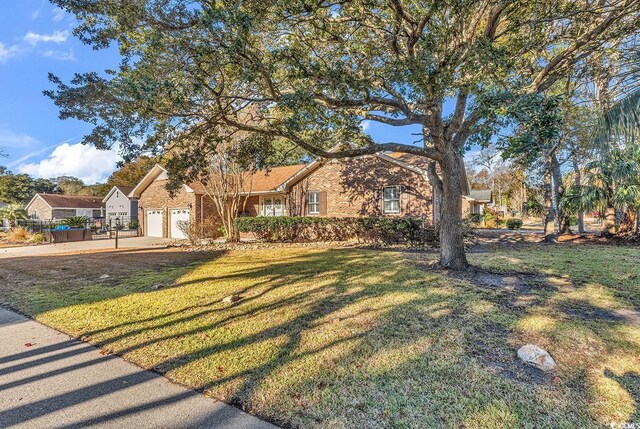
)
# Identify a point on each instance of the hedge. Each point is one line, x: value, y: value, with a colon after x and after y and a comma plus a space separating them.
x: 380, y: 230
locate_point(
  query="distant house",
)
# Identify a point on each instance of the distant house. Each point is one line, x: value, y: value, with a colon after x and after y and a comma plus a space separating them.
x: 119, y: 205
x: 55, y: 206
x: 477, y: 201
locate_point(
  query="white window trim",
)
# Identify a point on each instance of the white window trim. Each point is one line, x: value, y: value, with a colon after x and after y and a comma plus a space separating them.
x: 399, y: 199
x: 315, y: 203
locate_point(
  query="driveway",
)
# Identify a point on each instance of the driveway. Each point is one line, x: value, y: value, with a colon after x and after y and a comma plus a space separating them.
x: 78, y: 246
x: 48, y: 380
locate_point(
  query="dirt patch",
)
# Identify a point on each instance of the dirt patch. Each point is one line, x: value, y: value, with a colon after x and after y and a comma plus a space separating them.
x: 57, y: 271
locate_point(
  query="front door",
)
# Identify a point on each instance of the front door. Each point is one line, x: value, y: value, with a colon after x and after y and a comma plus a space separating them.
x: 278, y: 206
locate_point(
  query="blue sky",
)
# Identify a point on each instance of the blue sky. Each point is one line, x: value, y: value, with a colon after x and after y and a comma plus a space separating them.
x: 35, y: 38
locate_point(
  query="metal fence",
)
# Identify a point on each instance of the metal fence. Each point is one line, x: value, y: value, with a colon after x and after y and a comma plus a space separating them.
x: 100, y: 228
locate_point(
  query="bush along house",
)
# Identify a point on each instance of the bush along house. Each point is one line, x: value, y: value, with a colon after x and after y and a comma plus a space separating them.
x: 392, y: 185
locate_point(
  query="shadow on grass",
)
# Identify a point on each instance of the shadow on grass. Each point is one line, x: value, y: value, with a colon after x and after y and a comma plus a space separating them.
x: 319, y: 334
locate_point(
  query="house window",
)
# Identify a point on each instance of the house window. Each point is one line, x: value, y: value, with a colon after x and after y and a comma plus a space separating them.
x: 272, y: 206
x: 313, y: 202
x: 391, y: 199
x: 117, y: 194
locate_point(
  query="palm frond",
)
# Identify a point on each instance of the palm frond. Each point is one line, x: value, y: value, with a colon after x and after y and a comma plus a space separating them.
x: 621, y: 123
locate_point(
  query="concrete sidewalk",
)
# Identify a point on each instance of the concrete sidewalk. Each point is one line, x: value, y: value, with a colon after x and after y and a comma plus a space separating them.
x: 78, y: 246
x: 58, y: 382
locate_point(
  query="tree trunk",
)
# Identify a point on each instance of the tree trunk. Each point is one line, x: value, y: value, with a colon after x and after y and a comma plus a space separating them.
x: 558, y: 192
x: 452, y: 253
x: 609, y: 226
x: 577, y: 182
x: 550, y: 217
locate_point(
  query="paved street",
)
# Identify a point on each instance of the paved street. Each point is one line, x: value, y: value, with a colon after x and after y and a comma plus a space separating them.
x: 78, y: 246
x: 48, y: 380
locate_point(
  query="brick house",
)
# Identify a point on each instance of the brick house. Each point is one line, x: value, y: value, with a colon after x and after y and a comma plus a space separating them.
x: 393, y: 184
x: 55, y: 206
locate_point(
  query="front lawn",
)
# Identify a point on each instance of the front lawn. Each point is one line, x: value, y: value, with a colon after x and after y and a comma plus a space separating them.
x: 348, y: 338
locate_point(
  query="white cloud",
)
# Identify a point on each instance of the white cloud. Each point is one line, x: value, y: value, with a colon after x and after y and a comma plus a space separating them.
x: 56, y: 37
x: 78, y: 160
x: 365, y: 125
x: 7, y: 52
x: 58, y: 14
x: 60, y: 55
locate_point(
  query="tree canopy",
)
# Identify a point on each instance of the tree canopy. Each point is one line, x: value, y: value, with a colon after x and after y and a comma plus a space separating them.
x: 311, y: 72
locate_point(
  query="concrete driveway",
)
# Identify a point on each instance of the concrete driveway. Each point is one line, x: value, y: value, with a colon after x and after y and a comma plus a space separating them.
x: 48, y: 380
x: 78, y: 246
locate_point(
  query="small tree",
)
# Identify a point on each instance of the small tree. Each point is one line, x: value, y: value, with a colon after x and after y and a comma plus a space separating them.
x: 227, y: 180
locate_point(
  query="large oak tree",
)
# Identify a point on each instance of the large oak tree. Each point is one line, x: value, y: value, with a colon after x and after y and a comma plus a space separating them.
x: 310, y: 71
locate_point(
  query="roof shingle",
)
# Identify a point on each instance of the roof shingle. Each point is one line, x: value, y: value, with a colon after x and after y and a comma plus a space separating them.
x: 72, y: 201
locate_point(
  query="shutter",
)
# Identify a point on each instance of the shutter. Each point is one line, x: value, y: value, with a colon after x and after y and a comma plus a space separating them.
x: 405, y: 200
x: 323, y: 203
x: 304, y: 210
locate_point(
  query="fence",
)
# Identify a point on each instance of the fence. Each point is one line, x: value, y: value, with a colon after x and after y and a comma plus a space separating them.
x: 76, y: 229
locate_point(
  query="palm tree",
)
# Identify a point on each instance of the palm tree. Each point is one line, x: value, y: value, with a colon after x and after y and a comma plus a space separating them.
x: 614, y: 179
x: 621, y: 122
x: 13, y: 213
x: 613, y: 182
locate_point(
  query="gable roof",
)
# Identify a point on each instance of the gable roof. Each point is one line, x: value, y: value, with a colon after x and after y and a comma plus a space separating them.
x: 417, y: 164
x: 271, y: 179
x: 69, y: 201
x: 125, y: 190
x: 278, y: 179
x: 266, y: 180
x: 481, y: 195
x: 144, y: 183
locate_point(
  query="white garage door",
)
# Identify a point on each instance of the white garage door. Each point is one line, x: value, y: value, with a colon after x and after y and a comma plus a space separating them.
x: 178, y: 215
x: 154, y: 223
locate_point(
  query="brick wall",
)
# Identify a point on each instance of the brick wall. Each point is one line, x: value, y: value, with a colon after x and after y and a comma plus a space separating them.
x: 39, y: 210
x: 354, y: 188
x: 156, y: 196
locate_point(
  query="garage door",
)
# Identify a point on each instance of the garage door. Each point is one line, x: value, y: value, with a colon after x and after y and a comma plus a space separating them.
x: 154, y: 223
x: 177, y: 216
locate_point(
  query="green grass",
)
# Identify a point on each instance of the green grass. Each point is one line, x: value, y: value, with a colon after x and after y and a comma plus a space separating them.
x: 355, y: 338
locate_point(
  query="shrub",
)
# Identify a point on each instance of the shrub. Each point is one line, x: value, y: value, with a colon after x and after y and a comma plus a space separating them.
x: 37, y: 238
x: 76, y: 221
x: 366, y: 229
x: 514, y: 223
x: 475, y: 218
x: 18, y: 233
x: 208, y: 229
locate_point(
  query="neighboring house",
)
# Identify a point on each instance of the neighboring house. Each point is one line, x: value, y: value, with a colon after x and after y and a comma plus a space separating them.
x: 55, y: 206
x: 393, y: 184
x: 118, y: 205
x: 477, y: 201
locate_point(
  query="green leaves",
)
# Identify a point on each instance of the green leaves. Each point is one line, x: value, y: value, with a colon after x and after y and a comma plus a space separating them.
x: 365, y: 229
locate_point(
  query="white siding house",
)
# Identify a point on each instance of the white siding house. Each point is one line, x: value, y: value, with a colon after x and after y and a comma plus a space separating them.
x: 119, y: 205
